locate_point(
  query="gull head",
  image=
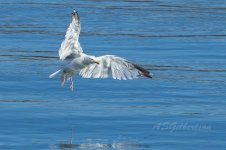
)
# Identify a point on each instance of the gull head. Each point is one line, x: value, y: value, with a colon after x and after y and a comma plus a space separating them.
x: 90, y: 60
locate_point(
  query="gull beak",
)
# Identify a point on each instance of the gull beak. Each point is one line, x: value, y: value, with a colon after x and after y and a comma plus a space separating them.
x: 97, y: 62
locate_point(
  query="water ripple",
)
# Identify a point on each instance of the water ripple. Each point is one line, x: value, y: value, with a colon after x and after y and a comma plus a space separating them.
x: 104, y: 145
x: 182, y: 68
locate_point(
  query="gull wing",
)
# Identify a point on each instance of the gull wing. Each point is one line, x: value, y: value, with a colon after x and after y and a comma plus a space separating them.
x: 115, y: 67
x: 71, y: 47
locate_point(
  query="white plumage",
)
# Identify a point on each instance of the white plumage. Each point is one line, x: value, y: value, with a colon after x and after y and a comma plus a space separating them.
x: 90, y: 66
x: 71, y: 46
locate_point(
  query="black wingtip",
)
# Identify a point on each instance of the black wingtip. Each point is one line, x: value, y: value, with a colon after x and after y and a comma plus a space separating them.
x: 75, y: 15
x: 144, y: 72
x: 148, y: 75
x: 74, y: 12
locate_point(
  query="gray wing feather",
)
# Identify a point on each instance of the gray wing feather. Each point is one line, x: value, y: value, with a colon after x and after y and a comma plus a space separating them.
x: 115, y: 67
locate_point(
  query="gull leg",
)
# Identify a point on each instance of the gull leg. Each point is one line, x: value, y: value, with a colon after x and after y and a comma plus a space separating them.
x: 72, y: 85
x: 62, y: 80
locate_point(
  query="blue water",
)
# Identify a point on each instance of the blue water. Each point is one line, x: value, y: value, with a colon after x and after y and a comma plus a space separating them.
x: 183, y: 43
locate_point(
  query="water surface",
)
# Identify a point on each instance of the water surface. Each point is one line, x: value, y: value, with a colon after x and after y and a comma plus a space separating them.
x: 181, y: 42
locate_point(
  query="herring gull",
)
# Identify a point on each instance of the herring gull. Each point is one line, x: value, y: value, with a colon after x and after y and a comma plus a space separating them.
x: 88, y: 66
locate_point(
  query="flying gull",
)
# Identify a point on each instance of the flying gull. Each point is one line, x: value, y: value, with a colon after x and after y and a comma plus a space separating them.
x: 88, y: 66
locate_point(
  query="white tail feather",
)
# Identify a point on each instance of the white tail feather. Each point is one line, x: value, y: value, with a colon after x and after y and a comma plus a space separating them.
x: 54, y: 74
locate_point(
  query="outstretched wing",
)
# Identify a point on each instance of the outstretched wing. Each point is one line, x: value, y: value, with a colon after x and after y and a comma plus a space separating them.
x: 115, y: 67
x: 70, y: 47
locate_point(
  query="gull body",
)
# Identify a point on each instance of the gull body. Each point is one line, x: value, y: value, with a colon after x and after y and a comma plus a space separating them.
x: 88, y: 66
